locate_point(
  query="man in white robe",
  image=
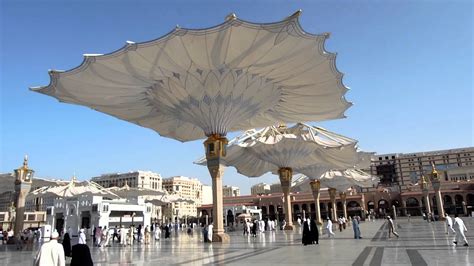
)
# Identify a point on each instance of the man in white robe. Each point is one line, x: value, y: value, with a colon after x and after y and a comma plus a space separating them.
x: 51, y: 253
x: 82, y: 237
x: 329, y: 228
x: 449, y: 225
x: 460, y: 228
x: 209, y: 233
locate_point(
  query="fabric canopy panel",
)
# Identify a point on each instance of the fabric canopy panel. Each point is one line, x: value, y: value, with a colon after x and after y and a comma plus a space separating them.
x: 8, y: 182
x: 192, y: 83
x: 132, y: 192
x: 341, y: 180
x: 257, y: 152
x: 345, y: 179
x: 73, y: 190
x: 168, y: 198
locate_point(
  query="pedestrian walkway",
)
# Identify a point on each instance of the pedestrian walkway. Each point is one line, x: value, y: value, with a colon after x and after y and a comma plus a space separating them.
x: 420, y: 243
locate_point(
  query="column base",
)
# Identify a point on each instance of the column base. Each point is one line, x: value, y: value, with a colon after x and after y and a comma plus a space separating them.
x: 289, y: 227
x: 221, y: 237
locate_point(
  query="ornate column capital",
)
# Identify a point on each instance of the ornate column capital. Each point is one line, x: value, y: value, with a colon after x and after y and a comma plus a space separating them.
x: 315, y: 186
x: 285, y: 174
x: 343, y: 196
x: 332, y: 194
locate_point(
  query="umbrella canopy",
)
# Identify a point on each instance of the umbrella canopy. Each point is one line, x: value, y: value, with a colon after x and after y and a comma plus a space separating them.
x: 133, y: 192
x: 244, y: 216
x: 168, y: 198
x: 257, y: 152
x: 193, y: 83
x: 341, y: 180
x: 73, y: 190
x: 8, y: 182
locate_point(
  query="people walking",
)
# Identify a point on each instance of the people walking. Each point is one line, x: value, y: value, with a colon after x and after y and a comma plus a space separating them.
x: 51, y: 253
x: 460, y: 229
x: 82, y: 237
x: 355, y: 228
x: 106, y: 235
x: 391, y: 227
x: 314, y: 231
x: 157, y: 232
x: 306, y: 240
x: 340, y: 222
x: 81, y: 255
x: 98, y: 236
x: 209, y: 233
x: 449, y: 224
x: 329, y: 228
x: 147, y: 234
x: 67, y: 245
x: 123, y: 236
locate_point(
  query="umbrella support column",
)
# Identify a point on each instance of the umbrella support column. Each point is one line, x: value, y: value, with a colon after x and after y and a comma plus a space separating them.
x: 285, y: 175
x: 332, y: 196
x: 315, y: 188
x: 343, y: 197
x: 215, y: 151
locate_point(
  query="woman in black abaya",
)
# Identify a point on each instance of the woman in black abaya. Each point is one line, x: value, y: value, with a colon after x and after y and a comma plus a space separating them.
x: 306, y: 234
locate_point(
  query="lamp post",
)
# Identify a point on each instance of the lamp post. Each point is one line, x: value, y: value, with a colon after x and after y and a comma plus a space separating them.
x: 435, y: 182
x: 424, y: 189
x: 315, y: 188
x: 23, y: 179
x: 332, y: 196
x: 285, y: 175
x: 343, y: 197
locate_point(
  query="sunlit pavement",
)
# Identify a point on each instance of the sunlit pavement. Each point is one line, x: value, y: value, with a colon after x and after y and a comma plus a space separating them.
x: 420, y: 243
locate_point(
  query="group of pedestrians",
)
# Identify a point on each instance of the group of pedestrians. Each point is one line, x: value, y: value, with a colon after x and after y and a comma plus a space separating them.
x: 458, y: 228
x: 258, y: 226
x: 53, y: 253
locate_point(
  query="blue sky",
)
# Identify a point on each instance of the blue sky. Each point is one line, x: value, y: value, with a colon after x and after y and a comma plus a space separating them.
x: 409, y: 65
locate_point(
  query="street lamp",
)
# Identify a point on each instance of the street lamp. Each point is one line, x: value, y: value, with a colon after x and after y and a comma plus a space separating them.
x: 435, y: 181
x: 23, y: 179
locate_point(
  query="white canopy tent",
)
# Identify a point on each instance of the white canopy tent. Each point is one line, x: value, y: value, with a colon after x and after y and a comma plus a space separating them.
x: 197, y: 83
x: 8, y: 182
x: 133, y: 192
x: 72, y: 189
x: 282, y: 150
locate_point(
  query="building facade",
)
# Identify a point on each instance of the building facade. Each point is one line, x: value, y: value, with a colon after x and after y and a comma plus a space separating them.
x: 186, y: 187
x: 206, y: 195
x: 399, y: 187
x: 260, y: 189
x: 143, y: 179
x: 230, y: 191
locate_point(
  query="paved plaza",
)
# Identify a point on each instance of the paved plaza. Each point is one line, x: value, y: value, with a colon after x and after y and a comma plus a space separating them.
x: 420, y: 243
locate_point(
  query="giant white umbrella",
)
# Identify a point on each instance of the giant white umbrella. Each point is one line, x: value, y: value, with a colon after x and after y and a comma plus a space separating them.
x: 73, y: 189
x: 197, y: 83
x: 280, y: 150
x: 337, y: 180
x: 134, y: 192
x: 8, y: 182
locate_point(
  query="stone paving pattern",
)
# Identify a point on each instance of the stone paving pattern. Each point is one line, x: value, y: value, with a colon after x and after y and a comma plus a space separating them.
x: 420, y: 243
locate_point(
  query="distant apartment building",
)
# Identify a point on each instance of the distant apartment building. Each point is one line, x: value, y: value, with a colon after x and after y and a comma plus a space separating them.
x: 275, y: 188
x: 260, y: 189
x: 406, y: 169
x: 186, y: 187
x: 143, y: 179
x: 206, y: 194
x: 230, y: 191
